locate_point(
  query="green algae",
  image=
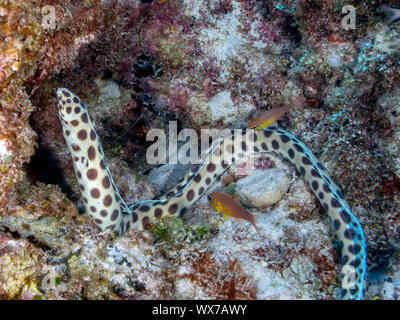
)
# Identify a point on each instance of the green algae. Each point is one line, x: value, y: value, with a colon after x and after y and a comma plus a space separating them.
x: 175, y: 233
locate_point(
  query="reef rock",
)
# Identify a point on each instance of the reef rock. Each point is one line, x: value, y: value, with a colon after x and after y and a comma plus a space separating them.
x: 263, y: 188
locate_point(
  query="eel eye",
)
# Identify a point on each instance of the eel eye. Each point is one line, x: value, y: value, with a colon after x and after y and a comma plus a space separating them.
x: 209, y: 197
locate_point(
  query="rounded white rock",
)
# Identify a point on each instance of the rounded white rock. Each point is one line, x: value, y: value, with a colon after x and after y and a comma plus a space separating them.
x: 263, y: 188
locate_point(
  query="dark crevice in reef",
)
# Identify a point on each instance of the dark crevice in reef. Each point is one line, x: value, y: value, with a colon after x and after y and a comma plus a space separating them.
x: 145, y: 66
x: 265, y: 8
x: 291, y: 28
x: 16, y: 235
x: 43, y: 167
x: 381, y: 263
x: 107, y: 74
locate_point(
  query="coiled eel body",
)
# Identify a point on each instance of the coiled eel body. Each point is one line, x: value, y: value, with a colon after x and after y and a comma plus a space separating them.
x: 108, y: 209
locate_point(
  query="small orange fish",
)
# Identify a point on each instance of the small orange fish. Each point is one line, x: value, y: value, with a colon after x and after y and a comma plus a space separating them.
x: 229, y: 206
x: 336, y: 38
x: 267, y: 118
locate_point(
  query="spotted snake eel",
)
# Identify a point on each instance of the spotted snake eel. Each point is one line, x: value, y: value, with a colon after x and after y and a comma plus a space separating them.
x: 107, y: 208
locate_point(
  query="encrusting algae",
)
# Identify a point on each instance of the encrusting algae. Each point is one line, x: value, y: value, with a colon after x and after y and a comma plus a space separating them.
x: 211, y: 64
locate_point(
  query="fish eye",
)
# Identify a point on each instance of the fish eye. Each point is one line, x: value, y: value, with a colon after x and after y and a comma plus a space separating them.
x: 209, y: 197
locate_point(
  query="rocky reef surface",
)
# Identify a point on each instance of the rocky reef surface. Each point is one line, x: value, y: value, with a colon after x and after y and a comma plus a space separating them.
x: 204, y: 64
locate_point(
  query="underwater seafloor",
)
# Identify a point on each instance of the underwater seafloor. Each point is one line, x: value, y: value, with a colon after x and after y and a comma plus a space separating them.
x: 205, y: 64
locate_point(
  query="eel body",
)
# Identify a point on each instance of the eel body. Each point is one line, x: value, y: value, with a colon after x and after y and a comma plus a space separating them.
x: 99, y: 193
x: 108, y: 209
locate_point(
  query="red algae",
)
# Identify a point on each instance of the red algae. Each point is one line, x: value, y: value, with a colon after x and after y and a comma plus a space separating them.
x: 225, y: 282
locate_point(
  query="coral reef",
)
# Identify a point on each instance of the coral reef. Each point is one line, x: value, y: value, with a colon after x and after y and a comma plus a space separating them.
x: 204, y: 64
x: 20, y: 35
